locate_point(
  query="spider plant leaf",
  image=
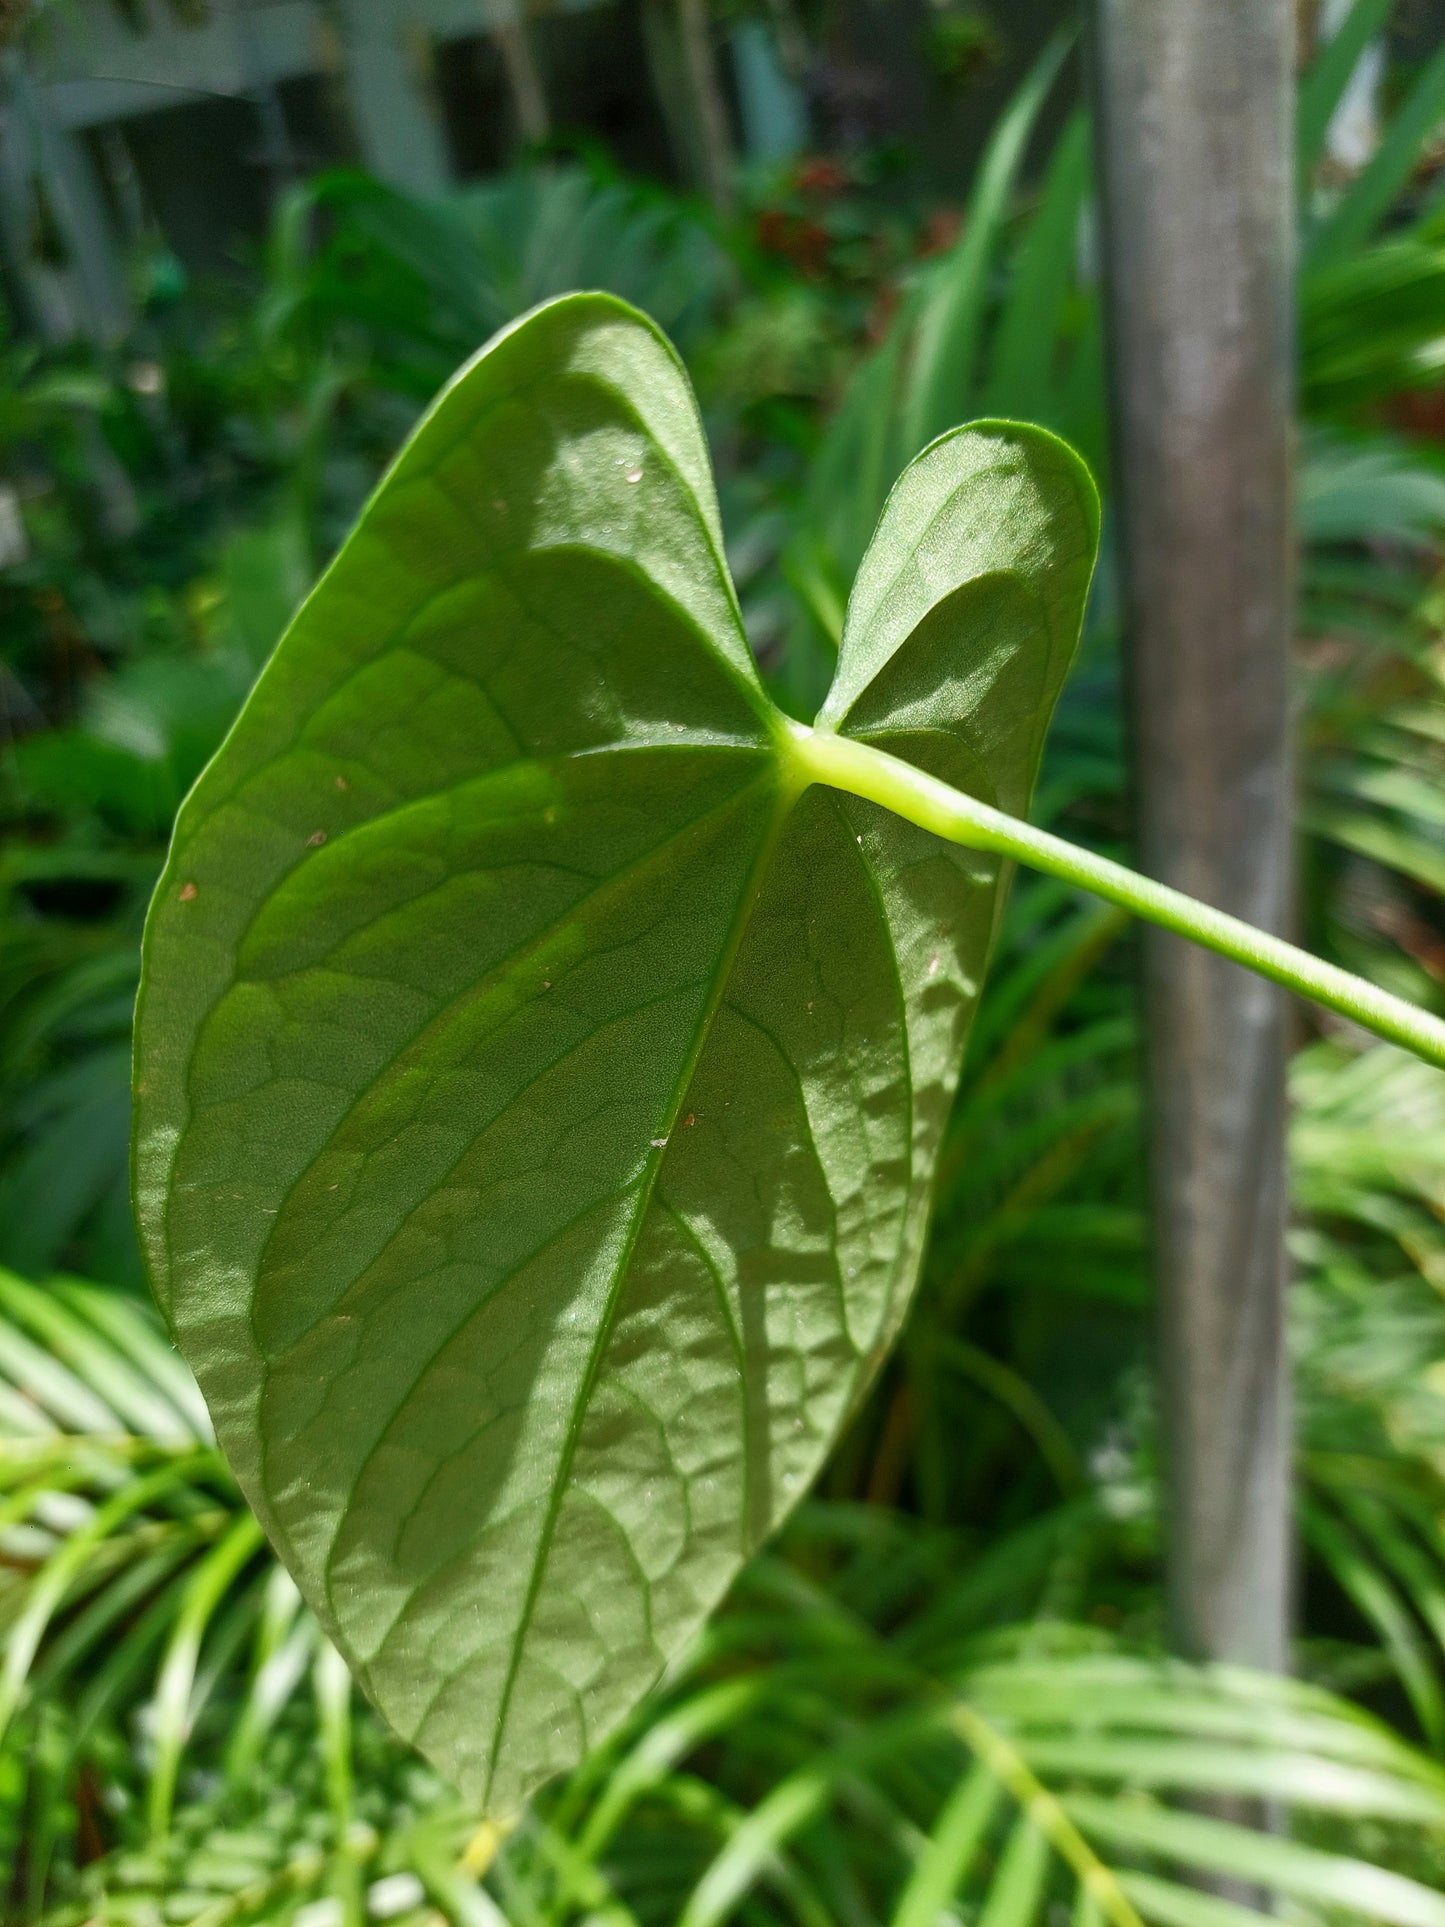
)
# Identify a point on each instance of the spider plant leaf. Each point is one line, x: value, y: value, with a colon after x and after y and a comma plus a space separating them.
x: 950, y: 325
x: 125, y: 1392
x: 53, y: 1581
x: 538, y: 1091
x: 139, y: 1344
x: 1376, y: 1596
x: 1170, y: 1905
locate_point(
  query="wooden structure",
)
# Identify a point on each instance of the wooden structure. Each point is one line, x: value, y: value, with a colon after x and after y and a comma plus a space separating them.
x: 91, y: 68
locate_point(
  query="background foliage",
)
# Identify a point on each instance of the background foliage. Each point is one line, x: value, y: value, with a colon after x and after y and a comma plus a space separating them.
x: 942, y: 1696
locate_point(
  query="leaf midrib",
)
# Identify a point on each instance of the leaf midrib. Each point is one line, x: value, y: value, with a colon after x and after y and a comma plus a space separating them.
x: 747, y: 902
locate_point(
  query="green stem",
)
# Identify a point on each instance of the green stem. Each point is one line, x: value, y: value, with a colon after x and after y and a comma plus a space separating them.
x: 821, y: 757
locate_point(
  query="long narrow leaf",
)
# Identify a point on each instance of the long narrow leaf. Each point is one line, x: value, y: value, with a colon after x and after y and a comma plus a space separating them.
x: 951, y: 324
x: 208, y: 1587
x: 1217, y: 1846
x: 1026, y: 342
x: 955, y: 1841
x: 1324, y: 85
x: 1369, y: 198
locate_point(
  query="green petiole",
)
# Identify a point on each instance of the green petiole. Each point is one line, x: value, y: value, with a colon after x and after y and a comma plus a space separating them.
x: 845, y: 764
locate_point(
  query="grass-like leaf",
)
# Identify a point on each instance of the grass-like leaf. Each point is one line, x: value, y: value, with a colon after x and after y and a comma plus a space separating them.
x: 801, y: 1764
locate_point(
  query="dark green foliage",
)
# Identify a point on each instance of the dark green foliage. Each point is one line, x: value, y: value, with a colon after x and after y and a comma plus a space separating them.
x: 1023, y: 1380
x: 869, y: 1721
x: 421, y: 285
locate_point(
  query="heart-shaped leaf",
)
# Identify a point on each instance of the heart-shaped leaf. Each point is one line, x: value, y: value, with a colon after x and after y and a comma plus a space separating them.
x: 538, y: 1085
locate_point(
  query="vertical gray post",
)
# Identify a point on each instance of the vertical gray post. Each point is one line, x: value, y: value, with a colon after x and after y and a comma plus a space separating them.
x: 1195, y: 108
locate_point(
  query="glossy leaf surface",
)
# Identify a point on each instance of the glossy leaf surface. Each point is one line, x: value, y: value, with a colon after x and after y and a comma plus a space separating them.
x: 538, y: 1086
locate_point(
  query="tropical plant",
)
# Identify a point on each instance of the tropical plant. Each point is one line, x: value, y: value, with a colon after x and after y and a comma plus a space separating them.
x: 420, y: 284
x: 1022, y: 1374
x: 538, y: 1096
x: 623, y: 871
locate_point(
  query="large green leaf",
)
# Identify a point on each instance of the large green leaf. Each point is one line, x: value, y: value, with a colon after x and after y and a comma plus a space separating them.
x: 538, y: 1087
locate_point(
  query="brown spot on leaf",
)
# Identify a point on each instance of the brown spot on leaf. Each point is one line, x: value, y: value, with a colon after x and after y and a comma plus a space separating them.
x: 189, y: 893
x: 316, y: 839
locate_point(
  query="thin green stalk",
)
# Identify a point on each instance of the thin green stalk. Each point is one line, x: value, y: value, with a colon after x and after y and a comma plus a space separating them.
x: 822, y: 757
x: 1011, y: 1769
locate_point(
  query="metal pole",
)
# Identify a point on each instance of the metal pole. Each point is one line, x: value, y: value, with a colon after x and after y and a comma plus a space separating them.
x: 1194, y: 127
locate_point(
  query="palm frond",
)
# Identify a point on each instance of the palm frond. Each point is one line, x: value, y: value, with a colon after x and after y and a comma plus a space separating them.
x: 859, y: 1737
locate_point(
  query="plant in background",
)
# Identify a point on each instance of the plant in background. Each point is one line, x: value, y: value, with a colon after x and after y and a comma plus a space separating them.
x: 1020, y: 1376
x: 884, y: 1722
x: 418, y: 283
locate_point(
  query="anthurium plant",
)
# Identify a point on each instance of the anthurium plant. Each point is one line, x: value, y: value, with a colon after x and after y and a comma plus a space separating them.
x: 544, y: 1043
